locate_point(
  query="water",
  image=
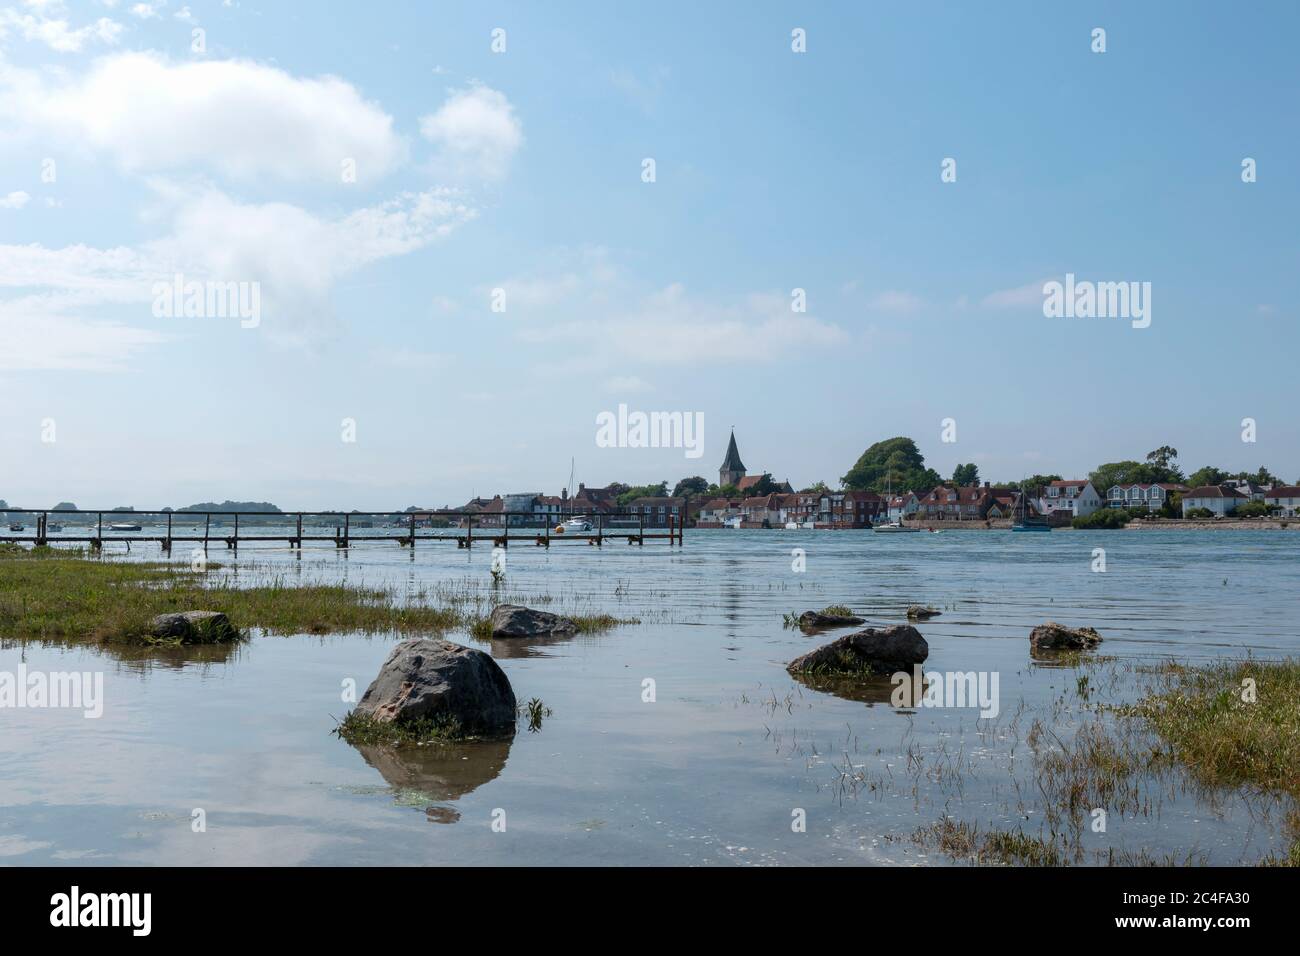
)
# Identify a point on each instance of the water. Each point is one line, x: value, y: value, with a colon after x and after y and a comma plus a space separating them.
x: 713, y: 771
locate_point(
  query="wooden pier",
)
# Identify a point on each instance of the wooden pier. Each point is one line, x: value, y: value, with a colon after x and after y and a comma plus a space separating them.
x: 466, y: 529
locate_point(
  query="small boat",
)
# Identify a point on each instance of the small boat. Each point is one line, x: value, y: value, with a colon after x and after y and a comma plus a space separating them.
x: 792, y: 526
x: 733, y: 523
x: 895, y: 527
x: 16, y: 527
x: 1027, y: 522
x: 578, y: 524
x: 124, y: 526
x: 55, y: 527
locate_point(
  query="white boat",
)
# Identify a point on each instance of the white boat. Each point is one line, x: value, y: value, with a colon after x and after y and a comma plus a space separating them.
x: 792, y: 526
x: 55, y: 527
x: 579, y: 524
x: 124, y: 526
x: 895, y: 527
x: 16, y: 527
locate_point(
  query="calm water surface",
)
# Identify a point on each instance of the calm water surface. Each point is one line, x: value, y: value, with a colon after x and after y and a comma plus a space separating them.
x: 711, y: 772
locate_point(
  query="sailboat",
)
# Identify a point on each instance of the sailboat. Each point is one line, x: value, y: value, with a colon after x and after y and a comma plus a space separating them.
x: 1024, y: 520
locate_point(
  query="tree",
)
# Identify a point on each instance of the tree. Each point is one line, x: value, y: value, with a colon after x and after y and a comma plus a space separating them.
x: 691, y: 486
x: 1209, y: 475
x: 965, y: 475
x: 816, y: 488
x: 1165, y: 458
x: 894, y: 462
x: 1132, y: 473
x: 643, y: 491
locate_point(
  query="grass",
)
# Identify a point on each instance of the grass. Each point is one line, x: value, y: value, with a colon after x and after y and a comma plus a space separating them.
x: 51, y: 595
x: 481, y: 628
x: 961, y: 841
x: 357, y: 728
x: 1225, y: 734
x: 830, y: 610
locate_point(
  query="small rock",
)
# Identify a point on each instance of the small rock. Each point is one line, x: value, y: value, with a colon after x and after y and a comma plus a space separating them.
x: 1052, y: 637
x: 195, y: 627
x: 918, y: 612
x: 438, y: 679
x: 816, y: 619
x: 878, y: 650
x: 511, y: 620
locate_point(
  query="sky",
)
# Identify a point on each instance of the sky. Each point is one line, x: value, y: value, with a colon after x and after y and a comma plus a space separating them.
x: 460, y: 258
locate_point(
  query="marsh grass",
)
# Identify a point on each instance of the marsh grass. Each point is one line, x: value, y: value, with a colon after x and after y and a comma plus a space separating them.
x: 481, y: 627
x: 1226, y: 735
x: 50, y: 595
x: 964, y: 842
x: 358, y: 728
x: 791, y: 619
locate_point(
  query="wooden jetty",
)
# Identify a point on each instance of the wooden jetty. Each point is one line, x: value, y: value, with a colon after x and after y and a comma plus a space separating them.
x: 466, y: 529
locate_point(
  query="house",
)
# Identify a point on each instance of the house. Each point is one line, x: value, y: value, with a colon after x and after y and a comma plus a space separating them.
x: 715, y: 512
x: 1250, y: 489
x: 1075, y: 498
x: 1152, y: 496
x: 656, y: 512
x: 1220, y: 499
x: 1283, y: 500
x: 962, y: 503
x: 900, y: 506
x: 848, y: 509
x: 594, y: 501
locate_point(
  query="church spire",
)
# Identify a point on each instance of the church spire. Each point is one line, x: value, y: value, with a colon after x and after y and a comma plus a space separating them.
x: 733, y: 469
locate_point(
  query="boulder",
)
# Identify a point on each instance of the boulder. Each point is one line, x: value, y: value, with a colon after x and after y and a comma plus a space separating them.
x: 919, y: 612
x: 440, y: 680
x: 875, y: 650
x: 816, y: 619
x: 195, y: 627
x: 1057, y: 637
x: 511, y: 620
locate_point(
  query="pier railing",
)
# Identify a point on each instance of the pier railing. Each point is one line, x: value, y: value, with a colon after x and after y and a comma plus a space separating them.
x: 294, y: 528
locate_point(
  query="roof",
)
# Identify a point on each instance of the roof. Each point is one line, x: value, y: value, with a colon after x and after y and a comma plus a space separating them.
x: 1068, y: 483
x: 1214, y: 491
x: 732, y: 462
x: 1285, y: 491
x: 749, y: 481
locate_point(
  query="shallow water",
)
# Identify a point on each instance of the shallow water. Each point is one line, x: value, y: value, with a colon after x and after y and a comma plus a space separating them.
x: 712, y: 771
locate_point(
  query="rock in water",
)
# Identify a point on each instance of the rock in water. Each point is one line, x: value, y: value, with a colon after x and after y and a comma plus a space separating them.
x: 918, y: 612
x: 195, y: 627
x: 1053, y: 637
x: 816, y: 619
x: 874, y: 650
x: 441, y: 680
x: 511, y: 620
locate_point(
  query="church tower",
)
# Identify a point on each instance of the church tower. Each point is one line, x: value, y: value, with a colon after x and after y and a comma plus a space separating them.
x: 733, y: 469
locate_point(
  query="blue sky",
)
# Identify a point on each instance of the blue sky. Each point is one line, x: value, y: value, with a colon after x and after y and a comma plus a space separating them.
x: 522, y: 171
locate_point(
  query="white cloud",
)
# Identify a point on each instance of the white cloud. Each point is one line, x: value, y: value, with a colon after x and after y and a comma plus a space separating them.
x: 895, y: 301
x: 15, y: 200
x: 147, y: 11
x: 1025, y: 295
x: 670, y: 326
x: 476, y: 131
x: 296, y: 258
x: 55, y: 31
x: 239, y: 118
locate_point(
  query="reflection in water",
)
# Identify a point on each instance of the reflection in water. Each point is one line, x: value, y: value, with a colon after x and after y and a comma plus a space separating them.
x: 141, y: 659
x: 868, y: 690
x: 431, y: 773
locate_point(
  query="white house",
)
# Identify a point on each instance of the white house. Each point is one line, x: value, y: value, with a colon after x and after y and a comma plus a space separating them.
x: 1283, y: 500
x: 901, y: 505
x: 1075, y: 497
x: 1221, y: 499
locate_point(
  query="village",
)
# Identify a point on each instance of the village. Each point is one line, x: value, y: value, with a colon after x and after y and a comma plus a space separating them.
x: 760, y: 501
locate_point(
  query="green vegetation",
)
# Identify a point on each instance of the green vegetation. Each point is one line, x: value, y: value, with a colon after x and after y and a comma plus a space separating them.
x: 1233, y: 723
x: 56, y: 595
x: 961, y: 841
x: 1253, y: 509
x: 357, y: 728
x: 1200, y: 513
x: 1107, y: 518
x: 966, y: 475
x: 895, y: 462
x: 643, y: 491
x: 691, y: 486
x: 481, y: 628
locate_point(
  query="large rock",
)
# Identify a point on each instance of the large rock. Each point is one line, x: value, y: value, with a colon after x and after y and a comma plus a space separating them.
x: 875, y: 650
x: 511, y: 620
x: 919, y: 612
x: 814, y: 620
x: 195, y: 627
x: 438, y: 679
x: 1057, y: 637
